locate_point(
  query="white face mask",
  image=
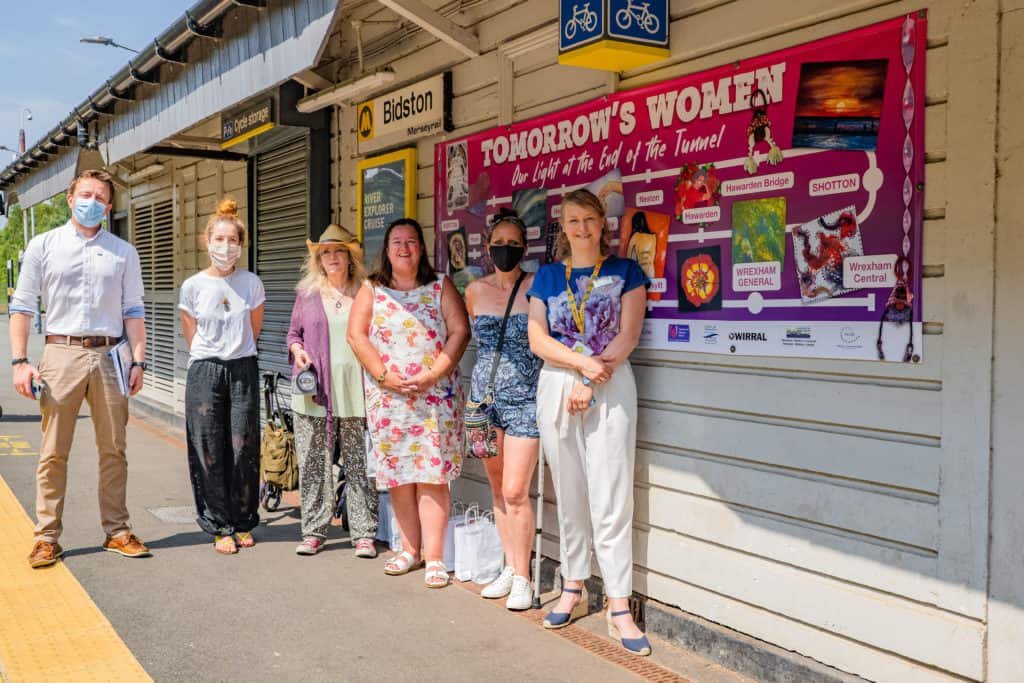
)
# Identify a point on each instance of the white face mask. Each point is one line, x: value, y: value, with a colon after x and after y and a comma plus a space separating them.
x: 224, y: 255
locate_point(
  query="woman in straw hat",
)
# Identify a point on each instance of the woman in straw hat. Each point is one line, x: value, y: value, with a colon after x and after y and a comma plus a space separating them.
x: 333, y: 412
x: 221, y: 315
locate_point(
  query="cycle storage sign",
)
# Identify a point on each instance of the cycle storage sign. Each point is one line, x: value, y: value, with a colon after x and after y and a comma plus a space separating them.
x: 612, y: 35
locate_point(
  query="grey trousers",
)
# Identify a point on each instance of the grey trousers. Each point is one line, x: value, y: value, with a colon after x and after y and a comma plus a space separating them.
x: 317, y: 483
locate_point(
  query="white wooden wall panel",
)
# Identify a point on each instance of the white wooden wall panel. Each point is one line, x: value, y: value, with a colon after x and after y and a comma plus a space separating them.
x: 835, y: 508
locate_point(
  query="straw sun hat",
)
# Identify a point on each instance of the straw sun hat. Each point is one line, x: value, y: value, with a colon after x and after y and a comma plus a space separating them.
x: 335, y: 234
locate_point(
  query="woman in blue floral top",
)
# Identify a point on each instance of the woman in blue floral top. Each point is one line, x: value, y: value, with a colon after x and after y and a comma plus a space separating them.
x: 586, y: 312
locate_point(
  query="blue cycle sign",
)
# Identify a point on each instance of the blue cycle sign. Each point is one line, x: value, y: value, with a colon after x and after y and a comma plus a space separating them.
x: 612, y: 35
x: 581, y: 22
x: 644, y: 21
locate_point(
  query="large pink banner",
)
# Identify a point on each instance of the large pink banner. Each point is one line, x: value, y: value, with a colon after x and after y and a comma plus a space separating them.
x: 775, y: 203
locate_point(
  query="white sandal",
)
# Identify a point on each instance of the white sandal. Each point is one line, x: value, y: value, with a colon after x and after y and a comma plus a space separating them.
x: 402, y: 563
x: 436, y: 575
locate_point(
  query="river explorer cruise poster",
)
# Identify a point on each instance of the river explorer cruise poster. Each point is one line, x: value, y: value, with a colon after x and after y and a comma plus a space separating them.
x: 776, y: 203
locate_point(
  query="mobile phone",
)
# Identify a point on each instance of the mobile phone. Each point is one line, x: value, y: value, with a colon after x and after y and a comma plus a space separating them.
x: 37, y: 387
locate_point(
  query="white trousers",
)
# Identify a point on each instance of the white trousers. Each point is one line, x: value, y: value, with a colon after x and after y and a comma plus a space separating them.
x: 591, y: 458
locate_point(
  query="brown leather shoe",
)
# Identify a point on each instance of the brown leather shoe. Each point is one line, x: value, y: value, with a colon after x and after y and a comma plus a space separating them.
x: 44, y: 554
x: 127, y: 544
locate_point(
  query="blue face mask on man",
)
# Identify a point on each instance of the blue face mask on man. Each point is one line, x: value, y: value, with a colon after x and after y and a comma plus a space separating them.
x: 89, y: 212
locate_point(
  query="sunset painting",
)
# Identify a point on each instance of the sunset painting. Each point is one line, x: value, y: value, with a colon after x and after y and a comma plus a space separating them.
x: 839, y: 104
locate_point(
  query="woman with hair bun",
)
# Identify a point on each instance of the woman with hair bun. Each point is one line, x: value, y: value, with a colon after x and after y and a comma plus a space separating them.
x: 221, y: 315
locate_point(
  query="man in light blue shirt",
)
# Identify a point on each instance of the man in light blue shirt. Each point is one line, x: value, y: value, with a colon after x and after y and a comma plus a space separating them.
x: 91, y: 284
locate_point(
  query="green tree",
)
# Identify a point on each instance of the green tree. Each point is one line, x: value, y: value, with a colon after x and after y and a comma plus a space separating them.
x: 49, y: 215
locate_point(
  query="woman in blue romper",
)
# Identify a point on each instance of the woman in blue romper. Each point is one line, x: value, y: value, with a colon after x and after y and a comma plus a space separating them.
x: 515, y: 402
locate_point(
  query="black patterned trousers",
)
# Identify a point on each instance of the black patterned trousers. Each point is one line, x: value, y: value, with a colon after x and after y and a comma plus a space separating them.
x: 222, y: 422
x: 317, y: 483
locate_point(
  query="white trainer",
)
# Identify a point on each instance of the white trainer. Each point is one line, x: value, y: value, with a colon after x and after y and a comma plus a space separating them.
x: 500, y: 587
x: 521, y: 595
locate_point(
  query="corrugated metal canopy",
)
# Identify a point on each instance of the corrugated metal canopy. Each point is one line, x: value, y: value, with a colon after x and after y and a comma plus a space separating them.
x: 258, y: 51
x: 48, y: 180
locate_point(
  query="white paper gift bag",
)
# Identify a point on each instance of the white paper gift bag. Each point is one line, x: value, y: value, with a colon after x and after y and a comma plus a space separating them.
x: 458, y: 516
x: 387, y: 525
x: 467, y: 544
x: 490, y: 556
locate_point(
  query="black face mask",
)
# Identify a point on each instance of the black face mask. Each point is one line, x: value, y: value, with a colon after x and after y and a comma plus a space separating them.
x: 506, y: 256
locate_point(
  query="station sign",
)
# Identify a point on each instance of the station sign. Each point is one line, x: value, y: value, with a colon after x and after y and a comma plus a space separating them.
x: 415, y: 111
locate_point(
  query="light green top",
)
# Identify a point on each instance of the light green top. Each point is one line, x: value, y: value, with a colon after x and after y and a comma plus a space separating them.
x: 346, y: 373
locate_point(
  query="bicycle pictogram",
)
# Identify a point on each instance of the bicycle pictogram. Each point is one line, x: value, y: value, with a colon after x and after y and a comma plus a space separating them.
x: 584, y: 19
x: 641, y: 14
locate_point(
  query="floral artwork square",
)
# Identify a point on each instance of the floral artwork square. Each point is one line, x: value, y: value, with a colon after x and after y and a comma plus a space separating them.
x: 819, y: 250
x: 700, y: 279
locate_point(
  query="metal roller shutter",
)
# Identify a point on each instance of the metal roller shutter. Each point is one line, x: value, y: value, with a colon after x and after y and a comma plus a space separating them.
x: 154, y: 240
x: 282, y: 226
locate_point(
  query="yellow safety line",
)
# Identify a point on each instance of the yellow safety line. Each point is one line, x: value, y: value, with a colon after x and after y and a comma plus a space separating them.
x: 50, y: 630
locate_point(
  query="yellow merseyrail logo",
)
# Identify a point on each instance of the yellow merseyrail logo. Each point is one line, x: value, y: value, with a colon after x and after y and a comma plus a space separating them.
x: 50, y: 630
x: 364, y: 124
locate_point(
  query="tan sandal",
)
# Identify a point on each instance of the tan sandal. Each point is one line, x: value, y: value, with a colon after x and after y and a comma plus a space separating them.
x: 402, y: 563
x: 436, y: 575
x: 225, y: 545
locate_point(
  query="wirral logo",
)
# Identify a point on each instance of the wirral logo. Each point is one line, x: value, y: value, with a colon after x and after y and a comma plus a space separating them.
x: 748, y: 336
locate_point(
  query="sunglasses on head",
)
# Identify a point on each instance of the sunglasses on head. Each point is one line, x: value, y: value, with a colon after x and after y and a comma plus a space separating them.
x: 515, y: 220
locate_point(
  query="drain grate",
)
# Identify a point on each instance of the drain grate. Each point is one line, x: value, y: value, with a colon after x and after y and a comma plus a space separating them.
x: 601, y: 647
x: 185, y: 514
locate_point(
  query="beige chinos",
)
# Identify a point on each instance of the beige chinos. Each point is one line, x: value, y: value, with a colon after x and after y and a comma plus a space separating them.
x: 591, y: 458
x: 72, y: 373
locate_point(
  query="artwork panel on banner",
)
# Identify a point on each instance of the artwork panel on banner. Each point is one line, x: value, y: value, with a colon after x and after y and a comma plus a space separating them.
x: 776, y: 203
x: 386, y: 192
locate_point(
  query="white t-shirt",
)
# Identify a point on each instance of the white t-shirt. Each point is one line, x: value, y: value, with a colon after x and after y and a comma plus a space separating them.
x: 222, y: 307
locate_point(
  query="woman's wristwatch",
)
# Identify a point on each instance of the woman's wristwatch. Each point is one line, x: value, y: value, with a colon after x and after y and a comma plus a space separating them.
x: 382, y: 375
x: 585, y: 381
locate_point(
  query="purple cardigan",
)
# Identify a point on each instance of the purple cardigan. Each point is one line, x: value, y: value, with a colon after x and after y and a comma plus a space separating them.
x: 309, y: 328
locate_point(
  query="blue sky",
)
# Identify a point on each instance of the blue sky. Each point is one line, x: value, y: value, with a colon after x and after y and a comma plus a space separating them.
x: 46, y: 69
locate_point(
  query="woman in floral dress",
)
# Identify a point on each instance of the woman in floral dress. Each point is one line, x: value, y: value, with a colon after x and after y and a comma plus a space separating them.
x: 409, y: 329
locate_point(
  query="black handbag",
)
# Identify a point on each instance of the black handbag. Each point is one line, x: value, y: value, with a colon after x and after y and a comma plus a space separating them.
x: 481, y: 439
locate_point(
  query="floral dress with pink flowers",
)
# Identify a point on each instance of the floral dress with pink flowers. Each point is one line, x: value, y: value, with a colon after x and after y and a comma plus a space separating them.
x: 415, y: 440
